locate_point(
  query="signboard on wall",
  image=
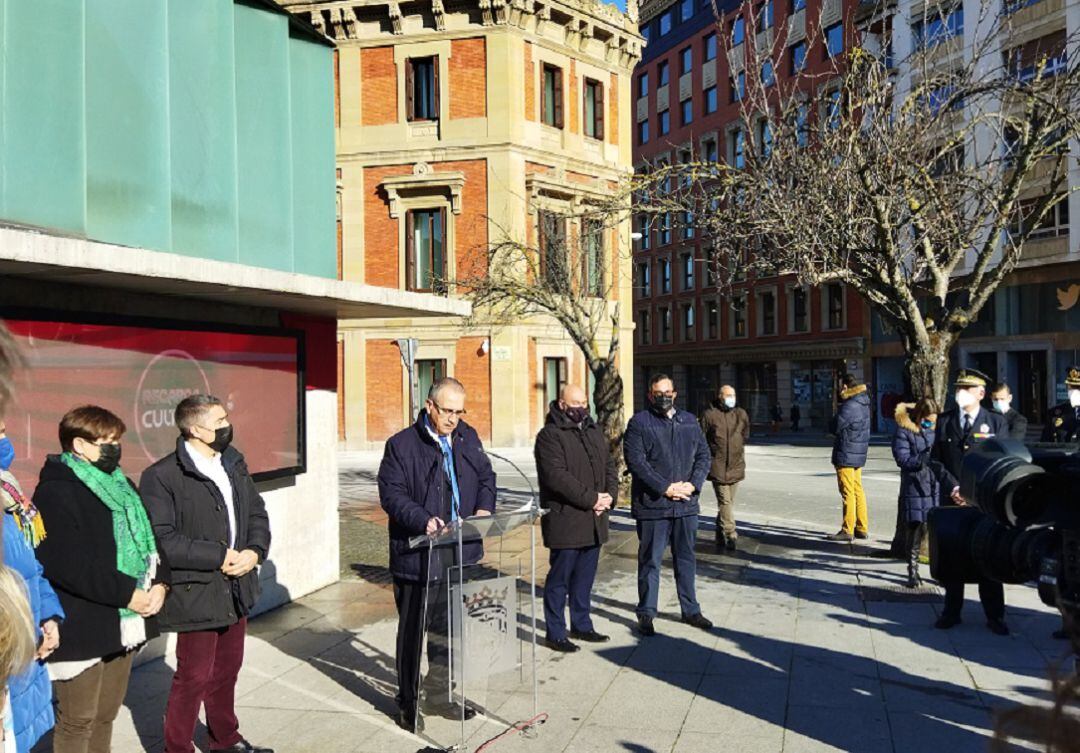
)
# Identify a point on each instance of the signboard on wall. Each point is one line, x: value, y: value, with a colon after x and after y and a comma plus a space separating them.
x: 140, y: 371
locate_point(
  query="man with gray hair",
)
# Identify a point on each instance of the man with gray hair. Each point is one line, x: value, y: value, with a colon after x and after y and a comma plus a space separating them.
x: 432, y: 473
x: 212, y: 528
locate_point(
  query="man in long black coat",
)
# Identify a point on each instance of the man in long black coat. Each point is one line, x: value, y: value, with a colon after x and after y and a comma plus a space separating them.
x: 958, y: 430
x: 579, y: 483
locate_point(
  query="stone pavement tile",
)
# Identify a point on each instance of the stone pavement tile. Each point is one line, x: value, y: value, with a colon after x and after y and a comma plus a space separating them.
x: 1008, y: 678
x: 864, y: 729
x: 264, y: 661
x: 673, y: 653
x: 565, y: 716
x: 737, y: 707
x: 303, y: 688
x: 906, y: 614
x: 276, y: 623
x: 933, y: 729
x: 812, y: 634
x: 613, y: 738
x: 918, y: 694
x: 565, y: 675
x: 323, y: 732
x: 636, y: 701
x: 736, y: 653
x: 721, y: 739
x: 1010, y: 651
x: 388, y: 739
x: 311, y: 639
x: 835, y: 681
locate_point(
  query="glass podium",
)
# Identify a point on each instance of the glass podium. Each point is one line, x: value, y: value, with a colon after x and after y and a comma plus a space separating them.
x: 479, y: 627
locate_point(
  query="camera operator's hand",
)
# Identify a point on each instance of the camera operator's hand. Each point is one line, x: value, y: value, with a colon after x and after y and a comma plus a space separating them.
x: 958, y: 498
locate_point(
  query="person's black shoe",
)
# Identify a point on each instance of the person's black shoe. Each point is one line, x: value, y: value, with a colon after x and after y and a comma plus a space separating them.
x: 862, y: 534
x: 731, y: 544
x: 841, y: 536
x: 997, y: 627
x: 914, y: 581
x: 409, y: 721
x: 590, y: 636
x: 449, y: 710
x: 645, y: 626
x: 698, y: 620
x: 1061, y: 634
x: 565, y: 646
x: 946, y: 621
x: 242, y: 747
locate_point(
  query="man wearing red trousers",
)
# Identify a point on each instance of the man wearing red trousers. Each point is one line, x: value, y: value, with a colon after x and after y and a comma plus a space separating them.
x: 212, y: 529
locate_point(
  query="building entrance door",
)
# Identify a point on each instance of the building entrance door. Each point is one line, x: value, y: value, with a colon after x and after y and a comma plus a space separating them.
x: 1030, y: 388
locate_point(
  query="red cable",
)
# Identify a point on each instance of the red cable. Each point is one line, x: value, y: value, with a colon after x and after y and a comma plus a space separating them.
x: 515, y: 727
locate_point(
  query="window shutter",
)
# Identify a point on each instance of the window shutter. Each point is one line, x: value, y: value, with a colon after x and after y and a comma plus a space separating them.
x: 410, y: 108
x: 435, y: 86
x: 410, y: 253
x: 443, y: 272
x: 558, y: 98
x: 598, y: 108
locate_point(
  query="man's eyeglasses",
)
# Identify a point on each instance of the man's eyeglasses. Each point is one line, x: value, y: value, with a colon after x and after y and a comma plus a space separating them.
x: 448, y: 411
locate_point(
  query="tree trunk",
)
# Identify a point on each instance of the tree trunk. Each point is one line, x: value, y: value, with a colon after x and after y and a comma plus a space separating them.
x: 608, y: 399
x: 928, y: 369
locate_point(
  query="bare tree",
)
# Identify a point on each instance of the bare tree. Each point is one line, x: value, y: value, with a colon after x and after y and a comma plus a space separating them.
x: 918, y: 183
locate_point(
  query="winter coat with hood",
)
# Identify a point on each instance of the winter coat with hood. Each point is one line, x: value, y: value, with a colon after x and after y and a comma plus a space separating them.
x: 574, y: 464
x: 31, y: 691
x: 726, y: 431
x: 851, y: 427
x: 413, y: 489
x: 660, y: 451
x: 920, y: 484
x: 191, y: 524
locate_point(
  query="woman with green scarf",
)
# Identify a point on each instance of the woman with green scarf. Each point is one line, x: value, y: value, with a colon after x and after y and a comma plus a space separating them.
x: 101, y: 559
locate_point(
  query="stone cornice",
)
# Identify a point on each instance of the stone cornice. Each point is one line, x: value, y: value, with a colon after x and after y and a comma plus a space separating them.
x: 423, y: 180
x: 589, y: 27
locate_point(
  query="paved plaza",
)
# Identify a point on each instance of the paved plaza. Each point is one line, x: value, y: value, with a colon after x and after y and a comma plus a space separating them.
x: 809, y: 651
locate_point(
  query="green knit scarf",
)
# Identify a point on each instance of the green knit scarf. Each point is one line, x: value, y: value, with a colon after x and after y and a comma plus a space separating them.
x: 135, y: 547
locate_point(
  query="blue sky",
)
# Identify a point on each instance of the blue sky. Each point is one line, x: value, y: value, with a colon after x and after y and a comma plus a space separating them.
x: 620, y: 4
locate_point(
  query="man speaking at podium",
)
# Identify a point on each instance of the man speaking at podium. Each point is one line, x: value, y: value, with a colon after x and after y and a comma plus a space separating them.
x: 432, y: 473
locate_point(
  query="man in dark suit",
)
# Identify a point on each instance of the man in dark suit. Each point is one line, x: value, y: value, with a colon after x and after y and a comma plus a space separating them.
x: 1063, y: 420
x: 1001, y: 396
x: 958, y: 430
x: 432, y: 473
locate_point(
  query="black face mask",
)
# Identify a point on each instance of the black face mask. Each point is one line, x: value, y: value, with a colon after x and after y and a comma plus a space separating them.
x: 663, y: 403
x: 222, y: 439
x: 109, y: 460
x: 576, y: 414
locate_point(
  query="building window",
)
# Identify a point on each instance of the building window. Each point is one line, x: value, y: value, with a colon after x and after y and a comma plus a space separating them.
x: 768, y: 78
x: 766, y: 312
x: 554, y: 378
x: 665, y: 22
x: 662, y: 75
x: 712, y: 319
x: 1054, y: 224
x: 688, y: 331
x: 738, y: 31
x: 665, y: 228
x: 552, y: 231
x: 664, y: 313
x: 797, y: 5
x: 802, y: 125
x: 644, y: 333
x: 710, y: 100
x: 738, y: 315
x: 709, y: 149
x: 687, y: 272
x: 765, y: 15
x: 834, y: 306
x: 643, y: 132
x: 686, y: 60
x: 800, y: 310
x: 833, y: 110
x: 592, y: 257
x: 665, y: 122
x: 422, y: 88
x: 686, y: 10
x: 594, y: 109
x: 738, y: 148
x: 425, y: 250
x: 645, y: 228
x: 1040, y: 58
x: 687, y: 108
x: 687, y: 225
x: 765, y: 138
x: 428, y: 371
x: 738, y: 86
x: 834, y: 40
x: 665, y: 276
x: 553, y: 96
x: 643, y: 85
x: 798, y: 57
x: 645, y: 279
x: 709, y: 45
x: 932, y: 31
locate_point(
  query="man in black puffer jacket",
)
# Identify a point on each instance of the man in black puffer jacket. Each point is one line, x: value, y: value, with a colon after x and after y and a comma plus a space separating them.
x: 851, y: 429
x: 212, y: 529
x: 579, y: 482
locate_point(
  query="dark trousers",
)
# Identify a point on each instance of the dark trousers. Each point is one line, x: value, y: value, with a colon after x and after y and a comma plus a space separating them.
x: 207, y: 665
x: 654, y: 537
x: 572, y: 573
x: 87, y: 705
x: 991, y: 594
x: 409, y: 596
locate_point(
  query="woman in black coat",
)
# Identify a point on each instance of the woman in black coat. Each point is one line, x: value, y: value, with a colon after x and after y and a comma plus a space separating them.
x: 102, y: 561
x: 920, y: 484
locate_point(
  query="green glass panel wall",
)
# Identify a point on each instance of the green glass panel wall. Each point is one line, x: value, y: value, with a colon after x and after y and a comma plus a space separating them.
x: 127, y: 148
x: 42, y: 160
x: 314, y: 177
x: 264, y: 138
x: 202, y: 128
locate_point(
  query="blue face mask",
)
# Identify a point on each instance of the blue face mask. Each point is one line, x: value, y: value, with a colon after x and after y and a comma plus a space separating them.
x: 926, y: 424
x: 7, y: 453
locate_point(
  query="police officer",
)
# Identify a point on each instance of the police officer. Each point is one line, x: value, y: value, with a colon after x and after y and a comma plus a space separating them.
x: 958, y: 430
x: 1063, y: 420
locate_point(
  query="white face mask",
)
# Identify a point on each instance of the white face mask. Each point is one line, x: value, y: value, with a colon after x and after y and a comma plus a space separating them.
x: 729, y: 402
x: 965, y: 399
x: 1002, y: 406
x: 1074, y: 398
